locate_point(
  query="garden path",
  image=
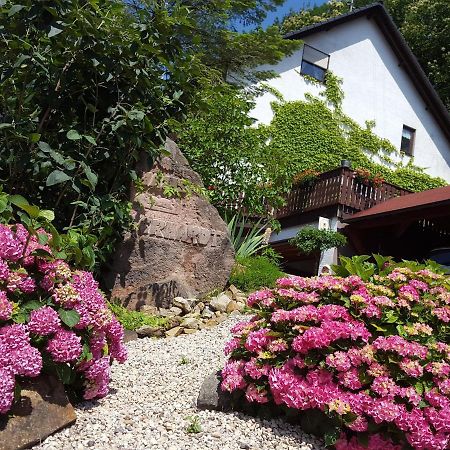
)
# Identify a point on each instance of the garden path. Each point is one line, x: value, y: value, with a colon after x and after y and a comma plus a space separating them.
x: 154, y: 393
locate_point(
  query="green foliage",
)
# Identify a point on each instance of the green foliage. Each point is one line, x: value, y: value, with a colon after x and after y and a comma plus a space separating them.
x: 194, y: 425
x: 74, y: 247
x: 183, y: 188
x: 417, y: 19
x: 237, y: 55
x: 366, y: 266
x: 246, y: 242
x: 88, y: 87
x: 132, y: 320
x: 309, y: 240
x: 84, y: 89
x: 315, y: 134
x: 254, y: 272
x: 183, y: 361
x: 272, y: 255
x: 241, y: 53
x: 230, y: 155
x: 309, y: 16
x: 414, y: 18
x: 252, y: 168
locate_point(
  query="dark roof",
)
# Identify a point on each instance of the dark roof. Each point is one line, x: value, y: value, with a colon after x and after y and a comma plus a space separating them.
x: 416, y: 202
x: 406, y: 58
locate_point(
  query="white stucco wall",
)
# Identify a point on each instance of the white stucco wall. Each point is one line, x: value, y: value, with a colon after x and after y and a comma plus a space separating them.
x: 375, y: 87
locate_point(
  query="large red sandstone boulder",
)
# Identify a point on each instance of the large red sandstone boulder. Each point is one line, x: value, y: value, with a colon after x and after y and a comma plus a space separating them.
x: 180, y: 246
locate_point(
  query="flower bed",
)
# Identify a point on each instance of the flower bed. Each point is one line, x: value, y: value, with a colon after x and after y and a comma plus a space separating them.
x: 372, y: 355
x: 52, y: 320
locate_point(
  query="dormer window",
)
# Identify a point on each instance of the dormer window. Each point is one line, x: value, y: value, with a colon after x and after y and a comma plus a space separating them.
x: 314, y: 63
x: 407, y: 144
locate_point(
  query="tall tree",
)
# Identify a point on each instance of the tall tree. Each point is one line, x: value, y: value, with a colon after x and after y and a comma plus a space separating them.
x: 87, y: 85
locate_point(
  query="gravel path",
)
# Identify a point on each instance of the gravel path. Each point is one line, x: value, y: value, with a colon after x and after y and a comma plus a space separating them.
x: 153, y: 394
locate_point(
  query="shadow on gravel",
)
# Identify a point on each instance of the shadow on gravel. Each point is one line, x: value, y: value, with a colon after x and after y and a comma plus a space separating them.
x: 314, y: 422
x: 291, y: 422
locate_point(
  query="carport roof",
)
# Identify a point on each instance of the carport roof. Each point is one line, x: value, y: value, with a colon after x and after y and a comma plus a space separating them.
x: 428, y: 202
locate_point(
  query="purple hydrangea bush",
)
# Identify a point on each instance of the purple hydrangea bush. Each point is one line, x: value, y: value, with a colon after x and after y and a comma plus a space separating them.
x: 373, y: 355
x: 52, y: 319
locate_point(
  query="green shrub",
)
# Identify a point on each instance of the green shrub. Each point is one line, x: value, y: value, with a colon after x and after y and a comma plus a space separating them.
x: 254, y: 272
x: 83, y: 91
x: 132, y: 320
x: 309, y: 240
x: 272, y: 255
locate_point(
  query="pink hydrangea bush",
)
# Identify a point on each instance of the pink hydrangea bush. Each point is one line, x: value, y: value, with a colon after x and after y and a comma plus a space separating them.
x: 374, y: 355
x: 52, y: 319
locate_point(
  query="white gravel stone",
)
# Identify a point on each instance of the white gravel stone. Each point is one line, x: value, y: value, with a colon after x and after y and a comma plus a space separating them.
x: 153, y: 397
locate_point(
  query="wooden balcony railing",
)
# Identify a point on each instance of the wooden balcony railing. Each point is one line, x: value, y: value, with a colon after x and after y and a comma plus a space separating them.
x: 338, y: 187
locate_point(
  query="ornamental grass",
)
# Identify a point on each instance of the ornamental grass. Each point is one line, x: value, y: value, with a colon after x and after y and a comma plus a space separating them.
x: 371, y: 352
x: 52, y: 320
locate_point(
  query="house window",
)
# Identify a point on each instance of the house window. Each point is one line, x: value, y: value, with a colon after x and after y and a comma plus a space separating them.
x: 407, y: 143
x: 314, y: 63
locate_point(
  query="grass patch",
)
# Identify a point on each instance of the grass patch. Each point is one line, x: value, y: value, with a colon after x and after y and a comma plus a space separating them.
x: 194, y: 425
x: 254, y: 272
x: 132, y: 320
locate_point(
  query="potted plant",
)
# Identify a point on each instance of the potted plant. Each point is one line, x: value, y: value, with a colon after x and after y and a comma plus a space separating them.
x: 305, y: 178
x: 365, y: 177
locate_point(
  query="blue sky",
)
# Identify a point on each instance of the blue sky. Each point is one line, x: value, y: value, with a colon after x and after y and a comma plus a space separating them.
x: 295, y: 5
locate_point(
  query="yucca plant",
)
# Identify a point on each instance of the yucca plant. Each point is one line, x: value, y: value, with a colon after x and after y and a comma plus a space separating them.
x: 247, y: 244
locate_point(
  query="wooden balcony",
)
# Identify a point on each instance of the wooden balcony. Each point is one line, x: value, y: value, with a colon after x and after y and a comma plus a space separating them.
x: 339, y: 188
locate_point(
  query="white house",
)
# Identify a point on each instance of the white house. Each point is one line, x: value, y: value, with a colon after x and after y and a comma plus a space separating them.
x: 382, y: 81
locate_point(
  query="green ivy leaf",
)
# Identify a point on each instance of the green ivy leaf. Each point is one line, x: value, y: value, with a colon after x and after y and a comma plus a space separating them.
x: 34, y: 137
x: 47, y: 214
x: 44, y: 146
x: 57, y: 177
x: 73, y: 135
x: 69, y: 316
x: 15, y: 9
x: 18, y: 200
x: 90, y: 139
x: 54, y: 31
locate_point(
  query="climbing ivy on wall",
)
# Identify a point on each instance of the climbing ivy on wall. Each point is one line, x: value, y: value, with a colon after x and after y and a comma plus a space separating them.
x: 243, y: 164
x: 316, y: 134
